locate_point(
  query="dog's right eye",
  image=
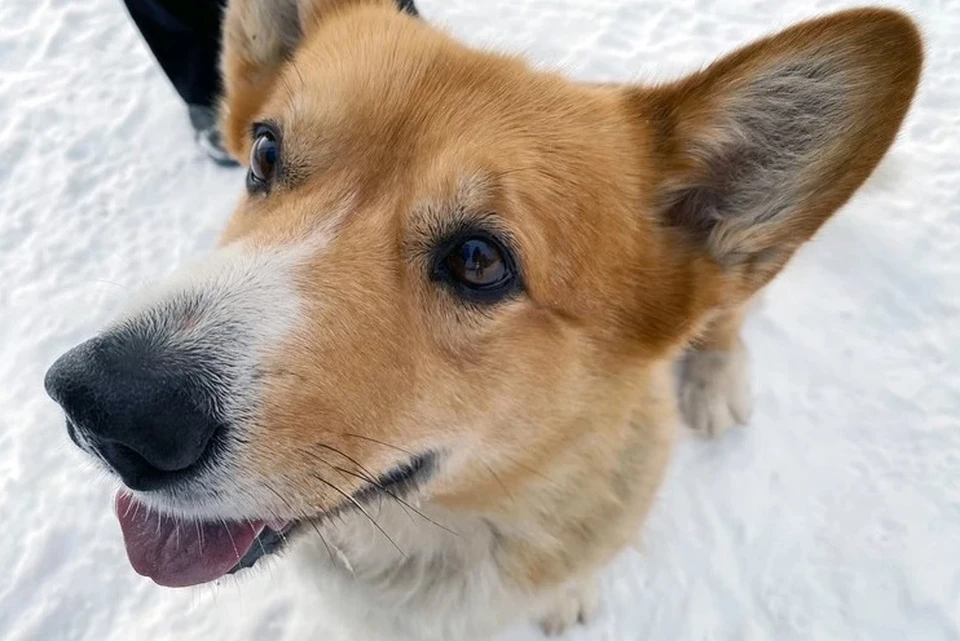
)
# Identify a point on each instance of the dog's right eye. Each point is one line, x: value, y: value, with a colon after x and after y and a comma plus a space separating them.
x: 264, y: 157
x: 478, y: 267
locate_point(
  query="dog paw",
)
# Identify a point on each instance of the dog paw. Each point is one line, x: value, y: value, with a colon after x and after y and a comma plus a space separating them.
x: 574, y: 604
x: 715, y: 390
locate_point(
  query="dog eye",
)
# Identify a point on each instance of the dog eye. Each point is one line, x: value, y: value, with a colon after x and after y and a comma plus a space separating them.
x: 263, y: 161
x: 477, y: 263
x: 480, y: 269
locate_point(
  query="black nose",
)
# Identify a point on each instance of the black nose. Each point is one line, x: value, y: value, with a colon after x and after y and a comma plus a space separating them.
x: 146, y: 413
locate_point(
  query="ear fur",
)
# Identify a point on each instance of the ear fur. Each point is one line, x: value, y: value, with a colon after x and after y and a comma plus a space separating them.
x: 757, y: 151
x: 259, y: 36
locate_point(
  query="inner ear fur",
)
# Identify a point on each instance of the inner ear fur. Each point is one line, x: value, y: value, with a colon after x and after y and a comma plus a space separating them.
x: 757, y: 151
x: 259, y: 37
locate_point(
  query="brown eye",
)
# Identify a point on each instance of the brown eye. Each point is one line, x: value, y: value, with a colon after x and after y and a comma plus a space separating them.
x: 477, y: 263
x: 263, y: 161
x: 479, y: 269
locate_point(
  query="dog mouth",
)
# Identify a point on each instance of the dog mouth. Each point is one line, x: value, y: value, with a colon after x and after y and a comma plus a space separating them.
x: 179, y: 552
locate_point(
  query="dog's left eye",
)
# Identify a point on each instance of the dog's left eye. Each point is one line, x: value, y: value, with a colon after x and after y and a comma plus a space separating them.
x: 264, y: 156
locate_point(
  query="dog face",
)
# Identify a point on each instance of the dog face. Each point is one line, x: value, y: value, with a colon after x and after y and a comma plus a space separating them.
x: 440, y: 216
x: 456, y: 276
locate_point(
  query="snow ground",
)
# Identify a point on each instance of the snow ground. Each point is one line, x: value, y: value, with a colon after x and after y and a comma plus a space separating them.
x: 834, y: 516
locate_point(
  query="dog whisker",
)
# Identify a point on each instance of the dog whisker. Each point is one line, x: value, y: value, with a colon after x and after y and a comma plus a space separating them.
x: 371, y: 476
x: 497, y: 478
x: 306, y: 518
x: 196, y: 524
x: 110, y: 282
x: 126, y: 512
x: 405, y: 451
x: 372, y: 480
x: 136, y: 509
x: 530, y: 469
x: 293, y: 64
x: 403, y: 504
x: 233, y: 543
x: 360, y: 507
x: 373, y: 440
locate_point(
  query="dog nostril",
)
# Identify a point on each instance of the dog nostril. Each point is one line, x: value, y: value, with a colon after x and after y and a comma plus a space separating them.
x: 136, y: 472
x: 140, y: 409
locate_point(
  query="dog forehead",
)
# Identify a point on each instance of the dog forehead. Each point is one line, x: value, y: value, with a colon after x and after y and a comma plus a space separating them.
x: 415, y: 127
x: 403, y: 84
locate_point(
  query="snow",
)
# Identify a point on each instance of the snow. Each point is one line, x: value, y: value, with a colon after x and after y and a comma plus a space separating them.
x: 834, y: 515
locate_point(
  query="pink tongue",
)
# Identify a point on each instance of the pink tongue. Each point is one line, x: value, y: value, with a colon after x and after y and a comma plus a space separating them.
x: 176, y: 553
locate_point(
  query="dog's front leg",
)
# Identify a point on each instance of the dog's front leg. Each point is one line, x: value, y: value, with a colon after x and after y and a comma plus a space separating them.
x: 714, y: 388
x: 574, y: 603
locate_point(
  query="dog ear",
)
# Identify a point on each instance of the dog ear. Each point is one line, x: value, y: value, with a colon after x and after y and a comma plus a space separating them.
x: 754, y: 153
x: 259, y: 37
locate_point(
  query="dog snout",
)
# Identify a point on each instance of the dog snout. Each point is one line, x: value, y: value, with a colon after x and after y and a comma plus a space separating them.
x: 146, y: 411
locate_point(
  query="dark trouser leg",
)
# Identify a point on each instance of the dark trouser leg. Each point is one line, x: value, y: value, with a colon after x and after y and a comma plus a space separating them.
x: 184, y: 36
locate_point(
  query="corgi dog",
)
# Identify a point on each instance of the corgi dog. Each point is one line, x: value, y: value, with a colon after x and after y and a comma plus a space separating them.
x: 434, y: 357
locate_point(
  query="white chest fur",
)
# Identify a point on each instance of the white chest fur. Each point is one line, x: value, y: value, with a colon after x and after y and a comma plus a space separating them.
x: 443, y: 585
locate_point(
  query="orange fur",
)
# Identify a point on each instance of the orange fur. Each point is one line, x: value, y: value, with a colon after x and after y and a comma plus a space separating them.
x: 557, y: 408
